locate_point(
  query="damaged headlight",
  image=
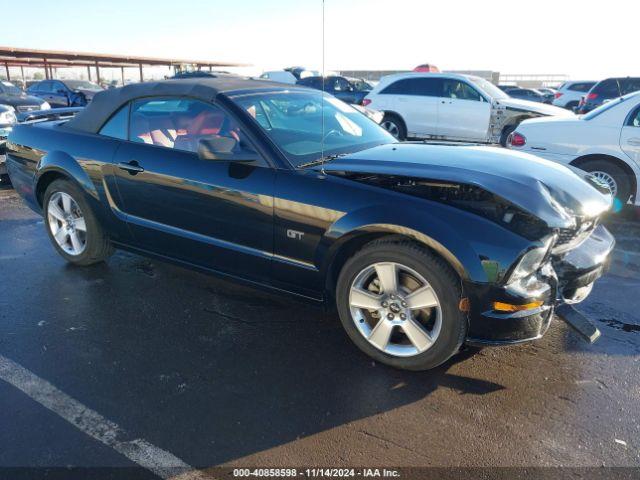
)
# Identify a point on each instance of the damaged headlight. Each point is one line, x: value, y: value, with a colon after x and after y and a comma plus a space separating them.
x: 531, y: 261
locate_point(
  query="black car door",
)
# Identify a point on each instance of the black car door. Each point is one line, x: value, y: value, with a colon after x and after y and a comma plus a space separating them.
x: 212, y: 213
x: 342, y: 89
x: 59, y: 94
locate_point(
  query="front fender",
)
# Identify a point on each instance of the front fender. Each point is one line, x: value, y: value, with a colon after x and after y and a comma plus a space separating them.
x: 476, y: 248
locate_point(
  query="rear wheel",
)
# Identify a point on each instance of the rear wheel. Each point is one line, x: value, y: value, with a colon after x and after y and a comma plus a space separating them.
x: 72, y: 225
x: 612, y: 175
x: 394, y: 125
x: 399, y: 302
x: 506, y: 131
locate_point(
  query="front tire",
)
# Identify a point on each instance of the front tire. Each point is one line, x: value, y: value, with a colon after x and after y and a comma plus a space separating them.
x: 72, y: 226
x: 399, y: 303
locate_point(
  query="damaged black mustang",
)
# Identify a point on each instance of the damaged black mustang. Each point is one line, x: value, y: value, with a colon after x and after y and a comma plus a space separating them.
x: 420, y: 247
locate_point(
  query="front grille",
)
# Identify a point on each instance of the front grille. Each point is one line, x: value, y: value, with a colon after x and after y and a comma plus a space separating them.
x: 569, y: 238
x: 27, y: 108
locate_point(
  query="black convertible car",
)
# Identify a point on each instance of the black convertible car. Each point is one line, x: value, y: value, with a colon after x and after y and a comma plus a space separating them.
x: 421, y: 247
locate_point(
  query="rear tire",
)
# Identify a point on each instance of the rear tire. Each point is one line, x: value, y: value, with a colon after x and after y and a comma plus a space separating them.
x: 72, y: 226
x: 611, y: 174
x: 443, y: 323
x: 393, y: 124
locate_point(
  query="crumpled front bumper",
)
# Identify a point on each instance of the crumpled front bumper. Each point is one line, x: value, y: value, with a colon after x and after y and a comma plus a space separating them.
x: 565, y: 279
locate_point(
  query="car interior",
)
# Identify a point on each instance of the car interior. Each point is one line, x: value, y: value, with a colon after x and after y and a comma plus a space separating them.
x: 182, y: 127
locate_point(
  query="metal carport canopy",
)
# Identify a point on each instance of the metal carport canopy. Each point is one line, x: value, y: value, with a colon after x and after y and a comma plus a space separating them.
x: 27, y: 57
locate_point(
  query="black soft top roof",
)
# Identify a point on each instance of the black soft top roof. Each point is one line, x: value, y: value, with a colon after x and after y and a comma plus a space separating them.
x: 105, y: 103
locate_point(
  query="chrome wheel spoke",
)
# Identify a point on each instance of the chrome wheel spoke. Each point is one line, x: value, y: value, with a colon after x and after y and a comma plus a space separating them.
x: 363, y: 299
x: 388, y: 276
x: 381, y: 334
x: 416, y: 335
x: 423, y: 297
x: 75, y: 242
x: 81, y: 224
x: 55, y: 212
x: 61, y: 236
x: 66, y: 203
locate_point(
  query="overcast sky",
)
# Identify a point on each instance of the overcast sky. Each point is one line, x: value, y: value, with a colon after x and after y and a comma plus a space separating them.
x: 543, y: 36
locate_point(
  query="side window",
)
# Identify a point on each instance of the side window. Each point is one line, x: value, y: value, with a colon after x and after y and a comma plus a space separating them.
x: 180, y: 123
x: 341, y: 85
x: 57, y: 87
x: 608, y: 88
x: 581, y: 87
x: 631, y: 85
x: 44, y: 86
x: 634, y: 118
x: 399, y: 87
x: 460, y: 91
x: 116, y: 126
x: 426, y: 87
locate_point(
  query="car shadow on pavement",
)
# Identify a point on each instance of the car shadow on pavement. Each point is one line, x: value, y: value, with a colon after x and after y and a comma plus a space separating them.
x: 206, y: 369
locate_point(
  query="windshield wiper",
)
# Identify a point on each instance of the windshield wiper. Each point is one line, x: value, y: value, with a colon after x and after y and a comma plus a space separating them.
x: 319, y: 161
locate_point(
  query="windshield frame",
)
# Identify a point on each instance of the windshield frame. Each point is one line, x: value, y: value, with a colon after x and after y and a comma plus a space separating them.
x: 488, y: 88
x: 316, y: 157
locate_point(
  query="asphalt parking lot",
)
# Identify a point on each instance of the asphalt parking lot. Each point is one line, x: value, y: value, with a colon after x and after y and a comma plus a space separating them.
x: 217, y: 374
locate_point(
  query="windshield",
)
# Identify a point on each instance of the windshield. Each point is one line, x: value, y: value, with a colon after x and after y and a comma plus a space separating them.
x: 74, y: 84
x: 488, y: 88
x: 10, y: 88
x: 294, y: 121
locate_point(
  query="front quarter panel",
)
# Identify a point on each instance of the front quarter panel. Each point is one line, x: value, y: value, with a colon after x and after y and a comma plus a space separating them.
x: 317, y: 215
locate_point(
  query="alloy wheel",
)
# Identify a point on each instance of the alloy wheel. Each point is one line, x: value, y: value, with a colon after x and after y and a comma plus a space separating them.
x: 391, y: 127
x: 67, y: 223
x: 395, y: 309
x: 606, y: 179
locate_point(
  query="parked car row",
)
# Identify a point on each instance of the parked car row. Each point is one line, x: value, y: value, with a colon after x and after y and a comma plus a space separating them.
x: 607, y: 90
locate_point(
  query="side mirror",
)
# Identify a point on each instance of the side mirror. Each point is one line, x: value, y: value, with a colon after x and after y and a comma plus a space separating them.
x: 221, y: 149
x: 60, y: 91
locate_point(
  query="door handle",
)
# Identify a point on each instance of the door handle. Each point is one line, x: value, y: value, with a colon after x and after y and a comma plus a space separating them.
x: 132, y: 167
x: 634, y: 141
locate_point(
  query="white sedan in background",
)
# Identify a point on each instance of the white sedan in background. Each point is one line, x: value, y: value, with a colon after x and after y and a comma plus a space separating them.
x: 604, y: 142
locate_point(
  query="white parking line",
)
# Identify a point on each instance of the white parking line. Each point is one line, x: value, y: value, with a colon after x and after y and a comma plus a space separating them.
x: 160, y: 462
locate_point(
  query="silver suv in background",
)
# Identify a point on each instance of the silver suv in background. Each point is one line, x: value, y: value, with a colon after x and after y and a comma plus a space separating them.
x: 452, y: 107
x: 569, y: 93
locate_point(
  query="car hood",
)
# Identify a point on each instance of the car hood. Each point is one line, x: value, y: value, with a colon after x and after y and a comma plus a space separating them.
x: 540, y: 108
x: 552, y: 192
x: 15, y: 100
